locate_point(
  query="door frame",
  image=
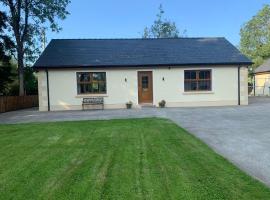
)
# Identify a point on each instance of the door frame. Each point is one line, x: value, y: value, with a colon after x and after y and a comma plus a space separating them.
x: 140, y: 86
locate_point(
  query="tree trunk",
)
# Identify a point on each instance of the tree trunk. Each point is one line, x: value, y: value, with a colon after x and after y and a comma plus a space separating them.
x: 16, y: 24
x: 21, y: 71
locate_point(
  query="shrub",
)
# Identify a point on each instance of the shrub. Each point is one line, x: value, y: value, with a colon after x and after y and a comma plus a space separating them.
x: 129, y: 105
x: 162, y: 104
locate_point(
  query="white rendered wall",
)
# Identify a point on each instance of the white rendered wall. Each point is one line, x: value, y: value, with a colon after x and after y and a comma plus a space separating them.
x: 224, y: 88
x: 262, y: 83
x: 63, y: 88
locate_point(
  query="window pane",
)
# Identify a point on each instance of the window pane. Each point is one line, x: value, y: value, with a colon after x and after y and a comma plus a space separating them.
x: 79, y: 90
x: 193, y: 75
x: 88, y: 88
x: 99, y: 76
x: 187, y: 86
x: 145, y: 82
x: 193, y: 85
x: 96, y: 76
x: 102, y: 87
x: 187, y: 75
x: 84, y: 77
x: 190, y: 85
x: 190, y: 75
x: 204, y: 85
x: 204, y: 74
x: 103, y: 76
x: 84, y: 88
x: 208, y: 74
x: 95, y: 87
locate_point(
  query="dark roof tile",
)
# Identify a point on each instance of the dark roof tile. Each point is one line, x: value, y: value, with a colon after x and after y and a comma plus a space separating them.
x: 265, y: 67
x: 139, y: 52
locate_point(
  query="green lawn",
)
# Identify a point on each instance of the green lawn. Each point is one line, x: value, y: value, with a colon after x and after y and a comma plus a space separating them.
x: 116, y: 159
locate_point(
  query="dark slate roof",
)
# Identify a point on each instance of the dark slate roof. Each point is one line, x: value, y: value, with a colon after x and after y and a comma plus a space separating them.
x: 139, y: 52
x: 265, y: 67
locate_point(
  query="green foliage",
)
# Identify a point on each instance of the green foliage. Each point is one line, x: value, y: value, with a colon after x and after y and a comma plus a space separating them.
x: 161, y: 28
x: 27, y: 20
x: 6, y: 46
x: 6, y: 76
x: 30, y: 81
x: 9, y: 84
x: 255, y: 36
x: 31, y: 84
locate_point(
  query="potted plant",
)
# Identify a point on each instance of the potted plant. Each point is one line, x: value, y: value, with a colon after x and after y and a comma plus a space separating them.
x: 162, y: 104
x: 129, y: 104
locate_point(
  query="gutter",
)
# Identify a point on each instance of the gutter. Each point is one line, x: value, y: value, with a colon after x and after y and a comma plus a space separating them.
x: 254, y: 83
x: 48, y: 90
x: 239, y: 97
x: 155, y: 65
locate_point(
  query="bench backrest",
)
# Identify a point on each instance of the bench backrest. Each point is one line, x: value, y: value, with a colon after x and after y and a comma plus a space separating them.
x: 93, y: 100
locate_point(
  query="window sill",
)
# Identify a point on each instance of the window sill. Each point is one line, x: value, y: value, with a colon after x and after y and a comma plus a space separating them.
x: 91, y: 95
x: 198, y: 92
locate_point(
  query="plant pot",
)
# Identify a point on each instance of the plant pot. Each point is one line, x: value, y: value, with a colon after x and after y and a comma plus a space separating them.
x: 129, y: 105
x: 162, y: 104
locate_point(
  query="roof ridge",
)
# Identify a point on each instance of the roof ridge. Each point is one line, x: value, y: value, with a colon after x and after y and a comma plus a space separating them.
x: 139, y: 38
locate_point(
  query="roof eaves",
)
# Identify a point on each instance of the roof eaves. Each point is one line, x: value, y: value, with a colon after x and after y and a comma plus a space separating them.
x: 143, y: 65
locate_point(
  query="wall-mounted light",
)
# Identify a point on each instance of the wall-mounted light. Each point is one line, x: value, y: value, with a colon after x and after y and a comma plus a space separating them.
x: 125, y: 79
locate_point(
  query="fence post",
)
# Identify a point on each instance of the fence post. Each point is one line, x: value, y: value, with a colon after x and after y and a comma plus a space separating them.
x: 2, y: 104
x: 254, y: 84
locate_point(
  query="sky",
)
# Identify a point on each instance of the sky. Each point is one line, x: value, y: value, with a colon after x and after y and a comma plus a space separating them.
x: 127, y: 18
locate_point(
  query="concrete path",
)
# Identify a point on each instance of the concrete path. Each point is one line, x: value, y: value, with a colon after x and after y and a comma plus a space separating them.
x: 240, y: 133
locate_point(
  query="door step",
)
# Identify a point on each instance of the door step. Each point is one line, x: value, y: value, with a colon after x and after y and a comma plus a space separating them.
x: 145, y: 105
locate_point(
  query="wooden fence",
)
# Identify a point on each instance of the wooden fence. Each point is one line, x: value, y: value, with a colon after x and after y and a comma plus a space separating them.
x: 9, y: 103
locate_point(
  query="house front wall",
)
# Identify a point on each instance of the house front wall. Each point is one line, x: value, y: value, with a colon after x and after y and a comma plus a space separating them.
x: 262, y: 83
x: 122, y: 86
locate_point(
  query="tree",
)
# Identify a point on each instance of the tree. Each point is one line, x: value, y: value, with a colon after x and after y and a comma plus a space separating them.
x: 6, y: 46
x: 255, y: 36
x: 5, y: 78
x: 161, y: 28
x: 31, y: 83
x: 27, y: 19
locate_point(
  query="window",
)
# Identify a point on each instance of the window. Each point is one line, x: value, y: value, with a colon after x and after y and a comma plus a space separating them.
x: 91, y: 82
x: 198, y: 80
x: 144, y: 82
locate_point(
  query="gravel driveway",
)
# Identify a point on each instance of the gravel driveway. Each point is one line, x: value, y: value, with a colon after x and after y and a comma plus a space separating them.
x: 239, y: 133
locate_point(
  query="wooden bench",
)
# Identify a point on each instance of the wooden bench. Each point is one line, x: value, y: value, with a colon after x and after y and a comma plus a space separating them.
x: 93, y: 101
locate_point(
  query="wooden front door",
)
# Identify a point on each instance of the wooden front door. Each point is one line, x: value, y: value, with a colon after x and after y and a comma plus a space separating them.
x: 145, y: 87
